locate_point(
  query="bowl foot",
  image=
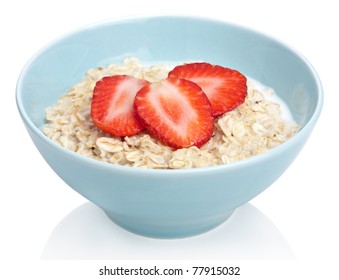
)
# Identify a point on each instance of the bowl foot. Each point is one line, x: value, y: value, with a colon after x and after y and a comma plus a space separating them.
x: 168, y: 229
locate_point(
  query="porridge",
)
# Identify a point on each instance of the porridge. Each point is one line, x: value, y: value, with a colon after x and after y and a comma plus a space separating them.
x: 260, y: 123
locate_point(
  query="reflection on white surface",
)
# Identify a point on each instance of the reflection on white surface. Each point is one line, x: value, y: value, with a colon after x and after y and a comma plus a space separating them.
x: 87, y: 233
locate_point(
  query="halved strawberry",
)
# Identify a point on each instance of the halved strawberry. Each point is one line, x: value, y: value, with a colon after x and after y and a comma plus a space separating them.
x: 225, y: 88
x: 176, y: 111
x: 112, y: 105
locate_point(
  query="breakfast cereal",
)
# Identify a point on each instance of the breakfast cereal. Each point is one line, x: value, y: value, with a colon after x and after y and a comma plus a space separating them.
x: 252, y: 128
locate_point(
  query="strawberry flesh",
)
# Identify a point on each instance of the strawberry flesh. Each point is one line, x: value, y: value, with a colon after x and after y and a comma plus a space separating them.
x: 225, y: 88
x: 112, y: 105
x: 176, y: 111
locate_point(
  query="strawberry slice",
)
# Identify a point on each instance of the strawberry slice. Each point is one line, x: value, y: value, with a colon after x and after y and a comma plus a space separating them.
x: 112, y: 105
x: 176, y: 111
x: 225, y: 88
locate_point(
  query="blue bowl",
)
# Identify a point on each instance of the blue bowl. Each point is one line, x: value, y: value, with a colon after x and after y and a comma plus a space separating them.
x: 168, y: 203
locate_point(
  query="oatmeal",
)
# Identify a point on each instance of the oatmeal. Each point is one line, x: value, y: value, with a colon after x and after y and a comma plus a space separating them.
x: 257, y: 125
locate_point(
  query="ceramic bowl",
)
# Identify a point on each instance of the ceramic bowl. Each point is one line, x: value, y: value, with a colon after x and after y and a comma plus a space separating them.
x: 168, y: 203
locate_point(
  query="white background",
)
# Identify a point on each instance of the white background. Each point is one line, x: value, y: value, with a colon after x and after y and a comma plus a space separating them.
x: 292, y: 228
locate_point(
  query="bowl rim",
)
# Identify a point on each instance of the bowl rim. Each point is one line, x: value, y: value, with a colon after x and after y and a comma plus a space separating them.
x: 160, y: 172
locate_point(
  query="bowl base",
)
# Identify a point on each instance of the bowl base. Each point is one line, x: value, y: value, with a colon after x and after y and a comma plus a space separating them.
x: 168, y: 229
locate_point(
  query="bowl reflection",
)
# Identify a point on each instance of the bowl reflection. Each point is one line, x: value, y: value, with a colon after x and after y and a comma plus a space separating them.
x: 87, y: 233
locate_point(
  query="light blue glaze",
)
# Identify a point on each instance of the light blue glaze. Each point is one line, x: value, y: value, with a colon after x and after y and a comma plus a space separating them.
x: 168, y: 203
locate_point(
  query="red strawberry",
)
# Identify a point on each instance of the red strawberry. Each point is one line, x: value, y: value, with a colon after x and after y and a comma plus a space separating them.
x: 176, y: 111
x: 112, y: 105
x: 225, y: 88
